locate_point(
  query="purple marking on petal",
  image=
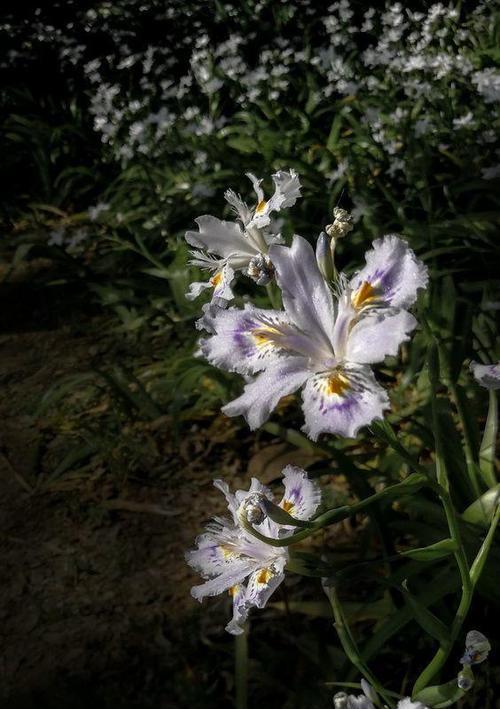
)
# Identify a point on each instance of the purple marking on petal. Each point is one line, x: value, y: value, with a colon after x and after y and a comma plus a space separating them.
x: 241, y: 336
x: 296, y: 493
x: 384, y: 279
x: 344, y: 407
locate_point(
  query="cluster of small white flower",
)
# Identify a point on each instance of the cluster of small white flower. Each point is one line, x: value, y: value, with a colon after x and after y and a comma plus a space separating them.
x: 423, y: 63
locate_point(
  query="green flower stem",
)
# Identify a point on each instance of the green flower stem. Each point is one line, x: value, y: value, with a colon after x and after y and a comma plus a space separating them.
x: 241, y: 670
x: 479, y: 562
x: 350, y: 647
x: 273, y: 296
x: 471, y: 464
x: 445, y: 647
x: 384, y: 431
x: 444, y: 650
x: 413, y: 482
x: 488, y: 444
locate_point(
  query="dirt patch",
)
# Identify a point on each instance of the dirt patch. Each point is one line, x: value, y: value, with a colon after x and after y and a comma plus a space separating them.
x: 95, y: 582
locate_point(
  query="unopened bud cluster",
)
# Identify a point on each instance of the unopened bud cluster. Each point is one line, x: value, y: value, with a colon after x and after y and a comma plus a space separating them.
x: 342, y: 223
x: 260, y: 269
x: 252, y: 508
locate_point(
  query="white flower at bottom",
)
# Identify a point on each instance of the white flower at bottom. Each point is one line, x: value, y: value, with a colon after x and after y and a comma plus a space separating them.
x: 407, y: 703
x: 231, y: 559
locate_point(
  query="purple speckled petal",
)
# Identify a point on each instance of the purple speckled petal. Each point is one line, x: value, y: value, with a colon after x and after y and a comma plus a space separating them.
x: 263, y: 394
x: 213, y: 555
x: 248, y: 341
x: 302, y: 495
x: 342, y: 401
x: 392, y: 275
x: 306, y: 296
x: 220, y: 237
x: 488, y: 375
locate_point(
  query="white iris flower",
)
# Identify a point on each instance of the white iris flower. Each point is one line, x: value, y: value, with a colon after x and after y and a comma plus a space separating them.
x: 224, y: 247
x: 231, y: 559
x: 323, y: 344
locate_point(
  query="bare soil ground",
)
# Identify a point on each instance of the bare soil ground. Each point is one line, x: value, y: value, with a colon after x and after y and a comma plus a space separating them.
x: 95, y: 588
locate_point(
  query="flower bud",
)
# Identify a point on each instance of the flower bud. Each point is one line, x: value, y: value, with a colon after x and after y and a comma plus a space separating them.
x: 324, y: 257
x: 342, y: 223
x: 260, y: 269
x: 341, y: 700
x: 368, y: 691
x: 477, y: 648
x: 465, y: 678
x: 252, y: 508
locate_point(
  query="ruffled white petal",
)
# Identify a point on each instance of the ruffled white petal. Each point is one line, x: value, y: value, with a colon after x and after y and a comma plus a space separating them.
x: 359, y: 702
x: 302, y: 495
x: 211, y: 556
x: 263, y: 394
x: 239, y: 206
x: 240, y: 610
x: 235, y: 574
x: 232, y: 502
x: 220, y: 237
x: 287, y: 189
x: 256, y: 185
x: 378, y: 334
x: 392, y: 275
x: 488, y: 375
x: 342, y: 401
x: 286, y: 193
x: 263, y: 582
x: 221, y: 283
x: 306, y: 296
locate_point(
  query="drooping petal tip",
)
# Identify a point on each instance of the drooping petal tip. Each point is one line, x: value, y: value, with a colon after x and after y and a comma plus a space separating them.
x: 302, y: 496
x: 488, y: 375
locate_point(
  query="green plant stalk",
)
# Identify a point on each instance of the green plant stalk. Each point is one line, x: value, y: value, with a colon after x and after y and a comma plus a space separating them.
x: 273, y: 296
x: 350, y: 647
x: 337, y: 514
x: 487, y: 451
x: 479, y: 562
x: 475, y: 573
x: 241, y: 670
x: 445, y: 647
x: 472, y: 467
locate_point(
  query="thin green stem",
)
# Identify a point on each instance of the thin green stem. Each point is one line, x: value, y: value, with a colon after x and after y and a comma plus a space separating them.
x: 472, y: 466
x: 350, y: 647
x: 488, y: 444
x: 445, y: 647
x: 274, y: 297
x: 413, y: 482
x: 241, y: 670
x: 479, y: 562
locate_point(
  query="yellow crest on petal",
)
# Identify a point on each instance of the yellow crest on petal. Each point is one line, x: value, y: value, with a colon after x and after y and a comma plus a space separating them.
x: 264, y: 576
x: 337, y: 384
x: 263, y: 336
x: 363, y: 295
x: 215, y: 280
